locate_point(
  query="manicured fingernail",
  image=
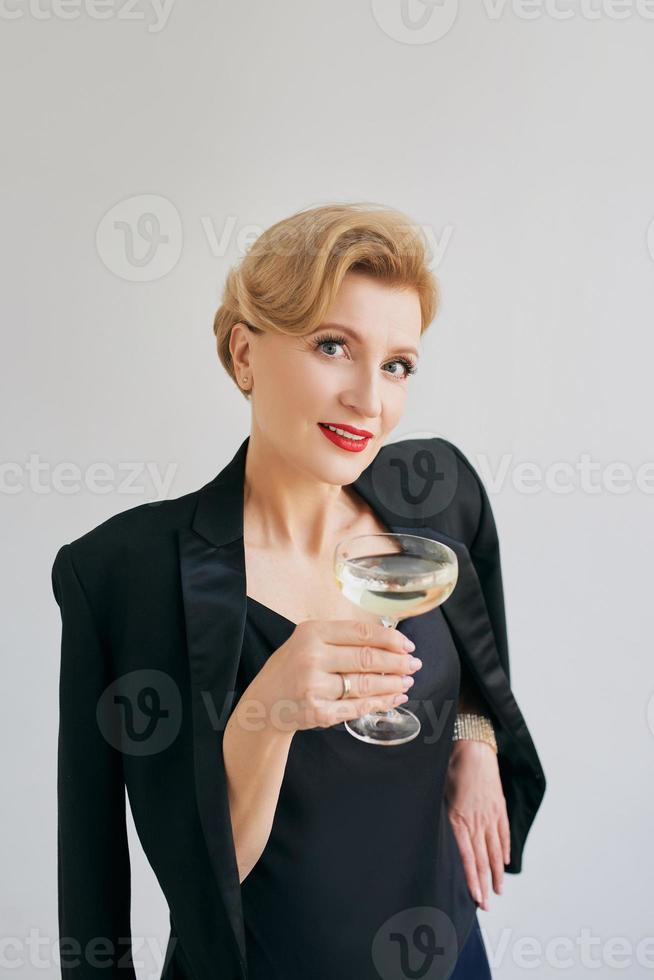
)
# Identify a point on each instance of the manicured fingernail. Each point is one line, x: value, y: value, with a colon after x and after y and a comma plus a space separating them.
x: 407, y: 680
x: 409, y: 645
x: 415, y: 662
x: 401, y: 698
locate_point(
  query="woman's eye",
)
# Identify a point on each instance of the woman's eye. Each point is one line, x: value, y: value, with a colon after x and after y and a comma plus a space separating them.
x: 334, y: 343
x: 402, y: 366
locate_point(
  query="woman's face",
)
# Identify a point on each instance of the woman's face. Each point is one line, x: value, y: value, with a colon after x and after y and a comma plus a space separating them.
x: 299, y: 383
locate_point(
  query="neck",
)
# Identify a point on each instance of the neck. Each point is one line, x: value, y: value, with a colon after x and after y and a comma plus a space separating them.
x: 287, y: 509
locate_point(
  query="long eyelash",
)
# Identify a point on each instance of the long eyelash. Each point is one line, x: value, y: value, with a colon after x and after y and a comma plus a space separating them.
x: 333, y: 338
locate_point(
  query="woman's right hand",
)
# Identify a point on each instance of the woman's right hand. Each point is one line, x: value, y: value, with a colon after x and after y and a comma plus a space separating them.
x: 300, y: 686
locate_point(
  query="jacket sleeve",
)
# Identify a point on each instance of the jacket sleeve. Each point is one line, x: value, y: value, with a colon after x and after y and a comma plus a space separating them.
x: 485, y: 555
x: 523, y: 779
x: 93, y: 862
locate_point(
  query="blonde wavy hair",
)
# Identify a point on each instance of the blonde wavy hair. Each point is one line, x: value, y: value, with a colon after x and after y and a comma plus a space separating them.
x: 290, y: 275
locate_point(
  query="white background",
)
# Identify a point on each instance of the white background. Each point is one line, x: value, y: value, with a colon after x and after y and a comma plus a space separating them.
x: 521, y: 139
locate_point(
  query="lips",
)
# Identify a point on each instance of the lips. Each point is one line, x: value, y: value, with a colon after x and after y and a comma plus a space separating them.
x: 343, y: 442
x: 349, y: 428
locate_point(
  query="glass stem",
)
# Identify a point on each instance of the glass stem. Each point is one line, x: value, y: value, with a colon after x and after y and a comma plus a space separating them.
x: 391, y: 623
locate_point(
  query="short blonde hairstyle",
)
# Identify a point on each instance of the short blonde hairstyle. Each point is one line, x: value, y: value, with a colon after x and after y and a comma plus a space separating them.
x: 290, y: 275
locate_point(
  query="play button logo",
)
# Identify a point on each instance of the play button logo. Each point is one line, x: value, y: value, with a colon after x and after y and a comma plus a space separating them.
x: 415, y: 21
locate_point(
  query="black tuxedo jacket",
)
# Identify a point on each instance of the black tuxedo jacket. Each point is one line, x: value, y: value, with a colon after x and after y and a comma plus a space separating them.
x: 153, y: 605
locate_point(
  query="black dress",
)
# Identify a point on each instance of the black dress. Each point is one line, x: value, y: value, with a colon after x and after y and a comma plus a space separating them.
x: 361, y: 876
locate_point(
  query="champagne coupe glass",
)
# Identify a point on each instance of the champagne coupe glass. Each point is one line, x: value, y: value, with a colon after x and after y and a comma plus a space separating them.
x: 395, y: 576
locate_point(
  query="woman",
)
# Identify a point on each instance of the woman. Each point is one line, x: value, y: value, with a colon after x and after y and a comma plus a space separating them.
x: 208, y: 661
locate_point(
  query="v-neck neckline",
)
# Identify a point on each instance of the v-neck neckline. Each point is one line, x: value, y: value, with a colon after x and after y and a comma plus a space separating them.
x: 273, y: 612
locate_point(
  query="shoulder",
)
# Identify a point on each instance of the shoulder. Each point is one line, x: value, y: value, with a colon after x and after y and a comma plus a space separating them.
x: 442, y: 479
x: 138, y: 536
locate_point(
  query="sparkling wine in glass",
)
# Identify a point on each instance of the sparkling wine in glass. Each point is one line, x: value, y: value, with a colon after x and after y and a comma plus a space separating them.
x: 395, y: 576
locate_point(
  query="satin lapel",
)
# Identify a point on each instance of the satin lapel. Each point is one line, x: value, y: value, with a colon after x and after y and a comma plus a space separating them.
x: 212, y: 567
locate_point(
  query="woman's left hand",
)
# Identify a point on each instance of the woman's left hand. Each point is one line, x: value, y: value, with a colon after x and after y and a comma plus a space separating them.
x: 477, y: 812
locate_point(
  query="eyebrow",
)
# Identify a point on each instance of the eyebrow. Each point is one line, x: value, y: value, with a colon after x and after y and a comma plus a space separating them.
x: 357, y: 336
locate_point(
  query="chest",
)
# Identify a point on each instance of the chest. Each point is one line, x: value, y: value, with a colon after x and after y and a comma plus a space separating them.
x: 299, y: 591
x: 300, y: 588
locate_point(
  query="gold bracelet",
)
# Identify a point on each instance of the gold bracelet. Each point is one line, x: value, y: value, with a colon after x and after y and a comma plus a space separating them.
x: 477, y: 727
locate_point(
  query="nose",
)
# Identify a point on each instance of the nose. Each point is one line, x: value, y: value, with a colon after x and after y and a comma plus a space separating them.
x: 364, y: 398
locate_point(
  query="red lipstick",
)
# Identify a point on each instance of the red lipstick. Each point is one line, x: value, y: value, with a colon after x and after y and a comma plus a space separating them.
x: 351, y: 445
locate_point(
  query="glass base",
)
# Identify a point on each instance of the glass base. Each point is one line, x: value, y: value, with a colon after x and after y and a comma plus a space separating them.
x: 392, y: 727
